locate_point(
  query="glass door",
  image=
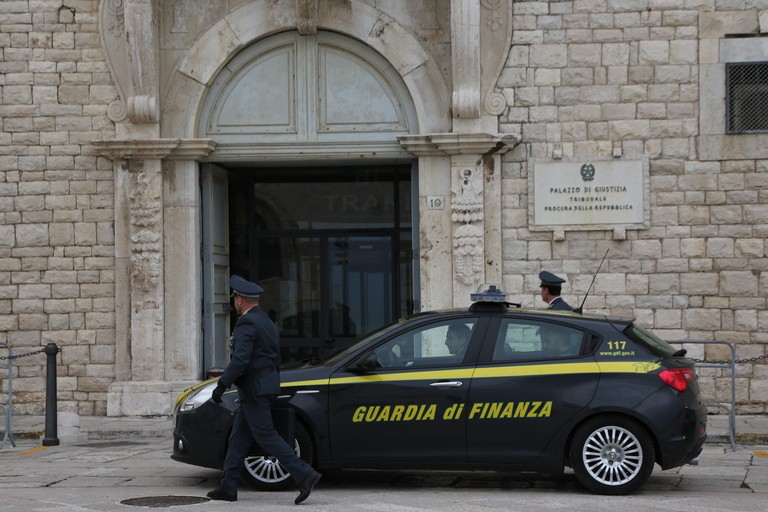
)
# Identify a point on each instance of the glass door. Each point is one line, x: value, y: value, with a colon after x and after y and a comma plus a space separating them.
x: 331, y: 248
x: 290, y: 271
x: 360, y: 286
x: 323, y: 292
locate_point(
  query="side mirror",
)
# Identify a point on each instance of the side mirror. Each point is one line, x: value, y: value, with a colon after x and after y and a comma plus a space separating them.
x: 367, y: 362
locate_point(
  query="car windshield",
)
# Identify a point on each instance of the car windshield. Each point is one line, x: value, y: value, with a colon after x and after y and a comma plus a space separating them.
x: 365, y: 339
x: 650, y: 340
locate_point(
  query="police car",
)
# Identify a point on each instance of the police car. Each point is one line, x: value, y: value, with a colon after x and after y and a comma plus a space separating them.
x: 526, y: 390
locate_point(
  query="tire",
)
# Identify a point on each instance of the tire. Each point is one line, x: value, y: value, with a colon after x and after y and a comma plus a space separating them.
x: 265, y: 473
x: 612, y: 455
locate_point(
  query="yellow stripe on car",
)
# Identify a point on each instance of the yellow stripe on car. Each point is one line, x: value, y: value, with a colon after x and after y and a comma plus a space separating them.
x: 486, y: 373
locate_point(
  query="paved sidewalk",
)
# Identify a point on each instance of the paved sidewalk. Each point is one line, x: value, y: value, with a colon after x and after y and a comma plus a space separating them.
x: 107, y: 464
x: 74, y: 428
x: 111, y: 476
x: 750, y: 429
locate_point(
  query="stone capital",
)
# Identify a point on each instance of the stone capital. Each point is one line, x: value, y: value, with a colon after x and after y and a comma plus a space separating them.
x: 442, y: 144
x: 156, y: 149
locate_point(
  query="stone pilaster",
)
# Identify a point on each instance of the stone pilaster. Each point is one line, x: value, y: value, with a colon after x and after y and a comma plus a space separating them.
x: 142, y: 184
x: 142, y: 386
x: 468, y: 224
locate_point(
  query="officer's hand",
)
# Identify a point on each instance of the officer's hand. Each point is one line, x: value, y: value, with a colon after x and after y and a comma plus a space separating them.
x: 216, y: 395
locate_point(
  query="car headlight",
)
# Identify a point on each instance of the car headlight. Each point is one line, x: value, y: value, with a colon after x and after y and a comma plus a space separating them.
x: 195, y: 397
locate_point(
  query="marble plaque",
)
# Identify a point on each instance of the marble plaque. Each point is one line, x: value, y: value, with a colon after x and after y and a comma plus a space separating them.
x: 590, y: 195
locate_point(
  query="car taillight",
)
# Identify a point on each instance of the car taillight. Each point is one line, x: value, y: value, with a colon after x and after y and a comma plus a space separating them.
x: 677, y: 378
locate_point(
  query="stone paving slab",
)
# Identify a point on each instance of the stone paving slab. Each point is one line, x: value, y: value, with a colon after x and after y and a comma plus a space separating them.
x: 101, y: 464
x: 103, y: 475
x: 139, y: 463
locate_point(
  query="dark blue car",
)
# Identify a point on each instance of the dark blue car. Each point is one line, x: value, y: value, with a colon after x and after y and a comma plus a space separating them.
x: 527, y: 390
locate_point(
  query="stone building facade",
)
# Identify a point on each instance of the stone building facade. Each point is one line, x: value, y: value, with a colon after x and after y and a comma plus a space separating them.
x: 109, y: 113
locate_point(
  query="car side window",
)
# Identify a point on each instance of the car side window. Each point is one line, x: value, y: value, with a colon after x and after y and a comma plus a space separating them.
x: 438, y: 344
x: 523, y: 340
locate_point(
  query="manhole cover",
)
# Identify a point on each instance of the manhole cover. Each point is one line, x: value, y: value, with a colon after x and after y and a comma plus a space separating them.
x: 164, y: 501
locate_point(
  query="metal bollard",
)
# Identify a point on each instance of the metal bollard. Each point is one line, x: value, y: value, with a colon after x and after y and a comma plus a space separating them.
x: 51, y: 434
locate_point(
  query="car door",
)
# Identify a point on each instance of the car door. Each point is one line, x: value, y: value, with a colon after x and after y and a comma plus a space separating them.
x: 525, y: 389
x: 405, y: 411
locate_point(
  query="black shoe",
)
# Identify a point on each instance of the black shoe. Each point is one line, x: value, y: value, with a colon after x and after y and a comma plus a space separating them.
x: 305, y: 488
x: 218, y: 494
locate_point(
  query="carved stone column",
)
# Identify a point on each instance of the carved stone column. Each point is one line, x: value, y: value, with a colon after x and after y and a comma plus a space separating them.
x: 142, y: 387
x: 460, y: 172
x: 471, y: 164
x: 142, y: 184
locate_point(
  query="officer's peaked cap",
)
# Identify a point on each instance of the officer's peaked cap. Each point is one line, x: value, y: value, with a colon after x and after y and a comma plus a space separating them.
x: 550, y: 279
x: 245, y: 288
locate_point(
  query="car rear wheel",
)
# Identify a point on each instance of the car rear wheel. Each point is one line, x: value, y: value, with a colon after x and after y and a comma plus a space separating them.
x: 612, y: 455
x: 265, y: 473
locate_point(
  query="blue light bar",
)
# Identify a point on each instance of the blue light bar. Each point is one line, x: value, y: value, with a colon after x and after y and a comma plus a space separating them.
x: 489, y: 293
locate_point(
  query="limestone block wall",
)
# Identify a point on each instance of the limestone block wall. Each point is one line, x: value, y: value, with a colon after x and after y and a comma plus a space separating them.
x: 592, y: 79
x: 56, y: 203
x: 584, y: 79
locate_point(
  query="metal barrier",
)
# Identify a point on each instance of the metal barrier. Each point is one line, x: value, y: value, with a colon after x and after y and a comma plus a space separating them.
x: 7, y: 407
x: 51, y: 349
x: 731, y: 364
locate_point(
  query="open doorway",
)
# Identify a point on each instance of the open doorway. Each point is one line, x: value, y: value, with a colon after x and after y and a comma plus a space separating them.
x: 331, y: 246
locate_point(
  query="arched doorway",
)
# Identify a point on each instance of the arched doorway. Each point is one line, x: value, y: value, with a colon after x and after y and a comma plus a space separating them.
x: 317, y: 193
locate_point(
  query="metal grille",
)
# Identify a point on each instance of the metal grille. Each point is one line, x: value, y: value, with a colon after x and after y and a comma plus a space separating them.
x: 747, y: 93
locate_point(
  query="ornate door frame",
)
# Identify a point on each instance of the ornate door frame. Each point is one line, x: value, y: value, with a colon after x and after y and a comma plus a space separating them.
x: 157, y: 144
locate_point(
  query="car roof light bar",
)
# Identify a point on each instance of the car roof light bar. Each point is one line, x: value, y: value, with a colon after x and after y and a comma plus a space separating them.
x: 489, y: 294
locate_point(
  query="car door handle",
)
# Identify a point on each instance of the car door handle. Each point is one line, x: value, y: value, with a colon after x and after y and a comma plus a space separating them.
x: 448, y: 384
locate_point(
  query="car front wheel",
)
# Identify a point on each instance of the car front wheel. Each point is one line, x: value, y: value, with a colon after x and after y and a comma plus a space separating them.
x: 265, y: 473
x: 612, y: 455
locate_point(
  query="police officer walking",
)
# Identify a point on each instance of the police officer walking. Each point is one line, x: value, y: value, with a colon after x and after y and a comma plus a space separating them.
x: 551, y: 286
x: 254, y: 369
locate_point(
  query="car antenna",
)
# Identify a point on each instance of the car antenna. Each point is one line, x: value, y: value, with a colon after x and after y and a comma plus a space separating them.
x: 580, y: 309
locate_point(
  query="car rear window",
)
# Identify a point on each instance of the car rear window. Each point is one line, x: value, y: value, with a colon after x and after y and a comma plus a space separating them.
x: 525, y: 339
x: 649, y: 340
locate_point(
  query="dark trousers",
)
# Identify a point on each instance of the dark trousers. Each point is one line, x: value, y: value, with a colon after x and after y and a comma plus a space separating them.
x: 253, y: 421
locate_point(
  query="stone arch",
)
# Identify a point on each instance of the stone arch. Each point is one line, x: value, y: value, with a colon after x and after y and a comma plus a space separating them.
x: 293, y: 96
x: 199, y: 67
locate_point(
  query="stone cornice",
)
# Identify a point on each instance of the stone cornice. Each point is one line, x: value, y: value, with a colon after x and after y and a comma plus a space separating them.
x: 155, y: 149
x: 442, y: 144
x: 192, y: 149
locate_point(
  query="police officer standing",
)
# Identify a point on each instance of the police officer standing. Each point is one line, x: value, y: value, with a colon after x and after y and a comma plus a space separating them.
x: 551, y: 286
x: 254, y: 369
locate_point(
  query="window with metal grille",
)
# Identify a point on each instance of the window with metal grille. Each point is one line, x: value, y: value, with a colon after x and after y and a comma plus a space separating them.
x: 747, y: 97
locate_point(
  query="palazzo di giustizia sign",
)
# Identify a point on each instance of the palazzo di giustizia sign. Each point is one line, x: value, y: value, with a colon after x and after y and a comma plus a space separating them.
x: 589, y: 195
